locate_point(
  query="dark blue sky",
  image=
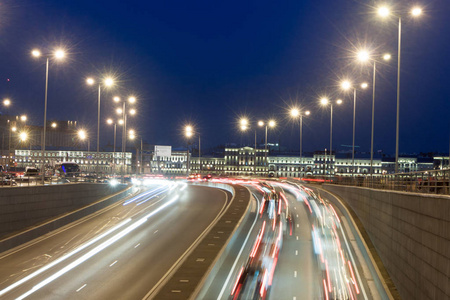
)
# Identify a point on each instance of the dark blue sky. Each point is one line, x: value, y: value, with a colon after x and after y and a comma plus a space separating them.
x: 209, y: 62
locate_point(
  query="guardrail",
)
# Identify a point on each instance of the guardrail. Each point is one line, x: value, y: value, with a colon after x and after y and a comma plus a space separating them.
x: 428, y: 182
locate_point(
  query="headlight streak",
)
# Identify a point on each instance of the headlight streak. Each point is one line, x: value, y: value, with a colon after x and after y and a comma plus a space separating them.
x: 97, y: 249
x: 143, y: 195
x: 61, y: 259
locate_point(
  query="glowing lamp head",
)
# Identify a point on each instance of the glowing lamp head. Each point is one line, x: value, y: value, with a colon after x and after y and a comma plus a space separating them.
x: 116, y: 99
x: 54, y: 125
x: 120, y: 122
x: 188, y: 134
x: 387, y: 56
x: 23, y: 118
x: 59, y: 54
x: 6, y: 102
x: 416, y: 11
x: 307, y: 112
x: 119, y: 111
x: 244, y: 127
x: 363, y: 56
x: 82, y: 134
x: 132, y: 111
x: 261, y: 123
x: 346, y: 85
x: 132, y: 99
x: 23, y: 136
x: 109, y: 121
x: 384, y: 11
x: 90, y: 81
x: 364, y: 85
x: 243, y: 122
x: 131, y: 132
x: 14, y: 129
x: 36, y: 53
x: 339, y: 101
x: 324, y: 101
x: 132, y: 136
x: 295, y: 112
x: 108, y: 81
x: 272, y: 123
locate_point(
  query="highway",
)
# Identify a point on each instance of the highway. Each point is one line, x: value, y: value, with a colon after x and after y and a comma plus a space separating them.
x: 320, y: 257
x: 121, y: 252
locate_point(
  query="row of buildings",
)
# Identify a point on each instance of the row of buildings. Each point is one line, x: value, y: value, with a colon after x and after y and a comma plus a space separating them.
x: 243, y: 161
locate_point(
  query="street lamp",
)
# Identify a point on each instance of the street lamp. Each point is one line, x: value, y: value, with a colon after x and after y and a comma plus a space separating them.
x: 295, y: 112
x: 270, y: 123
x: 384, y: 12
x: 58, y: 54
x: 325, y: 102
x: 364, y: 57
x: 123, y: 122
x: 347, y: 85
x: 6, y: 102
x: 188, y: 132
x: 107, y: 82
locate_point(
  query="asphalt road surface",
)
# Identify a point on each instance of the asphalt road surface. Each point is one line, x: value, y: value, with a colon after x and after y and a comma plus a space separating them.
x: 121, y: 252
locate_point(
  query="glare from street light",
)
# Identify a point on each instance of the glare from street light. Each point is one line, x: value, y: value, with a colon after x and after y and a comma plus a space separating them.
x: 119, y: 111
x: 346, y: 84
x: 307, y: 112
x: 324, y: 101
x: 188, y: 128
x: 120, y: 122
x: 23, y: 118
x: 339, y: 101
x: 132, y: 99
x: 387, y: 56
x: 109, y: 121
x: 132, y: 111
x: 116, y: 99
x: 363, y: 56
x: 416, y: 11
x: 295, y: 112
x: 364, y: 85
x: 243, y: 122
x: 82, y: 134
x: 260, y: 123
x: 384, y: 11
x: 14, y: 129
x: 23, y: 136
x: 108, y: 81
x: 244, y: 127
x: 36, y: 53
x: 131, y: 132
x: 54, y: 125
x: 59, y: 54
x: 6, y: 102
x: 132, y: 136
x: 90, y: 81
x: 272, y: 123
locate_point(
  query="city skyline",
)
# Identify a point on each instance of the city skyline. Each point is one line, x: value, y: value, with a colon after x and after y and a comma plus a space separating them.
x: 211, y: 64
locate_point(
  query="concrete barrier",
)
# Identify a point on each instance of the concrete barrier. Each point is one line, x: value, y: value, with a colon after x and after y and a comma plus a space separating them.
x: 29, y: 212
x: 411, y: 233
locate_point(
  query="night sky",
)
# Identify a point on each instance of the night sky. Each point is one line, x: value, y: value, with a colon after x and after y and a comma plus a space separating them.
x: 210, y: 62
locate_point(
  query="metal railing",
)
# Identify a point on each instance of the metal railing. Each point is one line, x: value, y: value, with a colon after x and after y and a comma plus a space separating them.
x: 427, y: 182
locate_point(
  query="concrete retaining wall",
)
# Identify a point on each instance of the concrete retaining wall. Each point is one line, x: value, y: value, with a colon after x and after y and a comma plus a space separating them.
x: 411, y: 233
x: 23, y: 207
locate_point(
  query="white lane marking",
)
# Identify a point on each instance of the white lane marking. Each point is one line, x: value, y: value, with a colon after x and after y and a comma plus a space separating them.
x: 82, y: 287
x: 137, y: 245
x: 296, y: 238
x: 296, y: 252
x: 155, y: 231
x: 295, y: 207
x: 113, y: 263
x: 297, y: 225
x: 295, y: 274
x: 240, y: 252
x: 295, y: 298
x: 297, y: 215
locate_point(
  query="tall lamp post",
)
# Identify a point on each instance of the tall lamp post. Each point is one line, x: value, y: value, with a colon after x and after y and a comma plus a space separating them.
x: 123, y: 111
x: 364, y: 56
x: 188, y: 132
x: 271, y: 124
x: 347, y: 85
x: 57, y: 55
x: 325, y: 102
x: 111, y: 122
x: 107, y: 82
x: 384, y: 12
x: 132, y: 136
x: 295, y: 112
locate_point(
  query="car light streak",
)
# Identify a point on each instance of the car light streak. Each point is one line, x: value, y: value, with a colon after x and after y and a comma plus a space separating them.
x: 143, y: 195
x: 96, y: 249
x: 328, y: 276
x: 258, y: 240
x: 237, y: 281
x: 337, y: 218
x: 263, y: 284
x: 82, y: 287
x: 353, y: 277
x: 61, y: 259
x: 325, y: 289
